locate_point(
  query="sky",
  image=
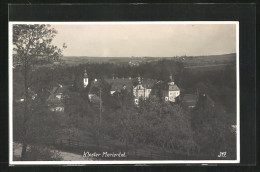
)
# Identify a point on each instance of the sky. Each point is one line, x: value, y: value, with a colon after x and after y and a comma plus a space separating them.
x: 139, y: 40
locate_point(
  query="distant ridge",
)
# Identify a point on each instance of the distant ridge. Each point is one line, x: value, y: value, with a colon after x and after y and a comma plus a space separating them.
x: 187, y: 60
x: 147, y: 56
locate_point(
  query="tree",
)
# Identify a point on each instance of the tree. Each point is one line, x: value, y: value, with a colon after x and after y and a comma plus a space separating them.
x: 166, y: 125
x: 211, y: 124
x: 32, y: 47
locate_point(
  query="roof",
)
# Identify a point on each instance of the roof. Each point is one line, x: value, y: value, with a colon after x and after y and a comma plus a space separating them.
x: 190, y: 104
x: 189, y: 97
x: 58, y: 89
x: 148, y: 83
x: 116, y: 84
x: 57, y: 103
x: 190, y: 100
x: 165, y: 93
x: 119, y: 83
x: 54, y: 101
x: 95, y: 83
x: 174, y: 88
x: 171, y: 79
x: 165, y: 86
x: 61, y: 89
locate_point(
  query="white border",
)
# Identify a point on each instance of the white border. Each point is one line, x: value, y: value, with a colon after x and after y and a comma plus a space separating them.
x: 202, y: 162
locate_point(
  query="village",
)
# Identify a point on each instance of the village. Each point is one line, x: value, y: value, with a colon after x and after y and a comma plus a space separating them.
x: 140, y: 88
x: 153, y: 106
x: 94, y: 99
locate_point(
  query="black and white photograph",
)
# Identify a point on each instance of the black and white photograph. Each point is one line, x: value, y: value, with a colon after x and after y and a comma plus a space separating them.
x: 124, y: 92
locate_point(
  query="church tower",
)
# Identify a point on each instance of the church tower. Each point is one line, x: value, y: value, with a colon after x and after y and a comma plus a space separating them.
x: 139, y: 80
x: 85, y: 79
x: 171, y: 81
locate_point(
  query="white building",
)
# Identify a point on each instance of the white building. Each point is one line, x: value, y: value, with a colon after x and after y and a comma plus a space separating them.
x: 85, y: 79
x: 172, y: 91
x: 142, y: 89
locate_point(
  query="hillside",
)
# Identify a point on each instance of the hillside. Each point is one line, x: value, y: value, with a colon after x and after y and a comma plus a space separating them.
x: 187, y: 60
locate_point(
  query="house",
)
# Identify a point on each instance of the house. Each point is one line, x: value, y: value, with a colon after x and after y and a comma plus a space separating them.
x: 172, y: 91
x: 190, y: 100
x: 143, y: 89
x: 56, y: 105
x: 59, y: 91
x: 94, y: 88
x: 56, y: 95
x: 117, y: 85
x: 140, y: 88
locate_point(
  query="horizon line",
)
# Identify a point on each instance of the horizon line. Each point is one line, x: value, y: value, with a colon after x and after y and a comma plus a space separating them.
x: 149, y: 56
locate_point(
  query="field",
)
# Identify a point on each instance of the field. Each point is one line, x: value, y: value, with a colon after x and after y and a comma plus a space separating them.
x: 188, y: 61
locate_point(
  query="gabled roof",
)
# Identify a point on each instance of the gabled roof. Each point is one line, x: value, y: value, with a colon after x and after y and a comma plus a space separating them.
x: 190, y: 104
x: 58, y: 89
x: 61, y: 89
x: 190, y: 100
x: 118, y: 84
x: 174, y: 88
x: 165, y: 86
x: 95, y: 83
x: 55, y: 91
x: 148, y: 83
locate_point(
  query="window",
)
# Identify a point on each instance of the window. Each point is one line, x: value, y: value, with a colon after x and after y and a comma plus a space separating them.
x: 166, y: 98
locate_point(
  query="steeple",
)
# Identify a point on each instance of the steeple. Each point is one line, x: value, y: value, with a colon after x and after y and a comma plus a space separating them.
x: 139, y: 79
x: 85, y: 79
x: 85, y: 74
x: 171, y: 81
